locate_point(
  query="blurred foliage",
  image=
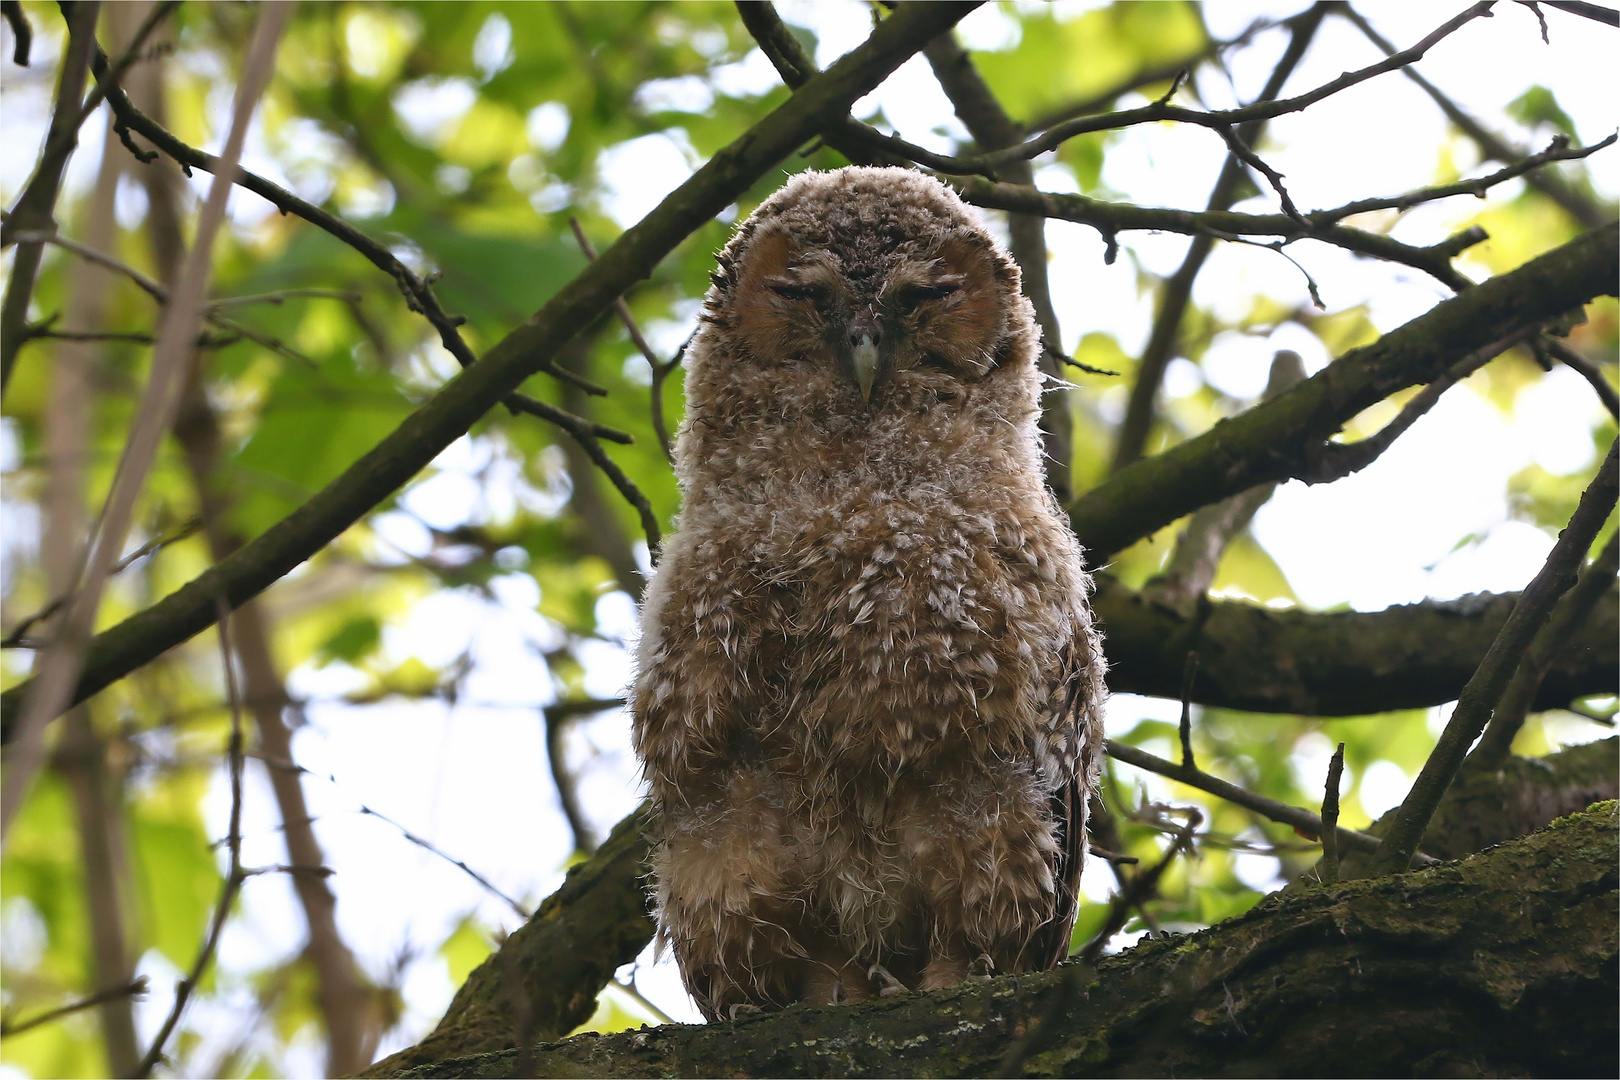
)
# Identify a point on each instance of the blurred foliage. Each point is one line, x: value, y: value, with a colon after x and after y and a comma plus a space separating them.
x: 464, y: 136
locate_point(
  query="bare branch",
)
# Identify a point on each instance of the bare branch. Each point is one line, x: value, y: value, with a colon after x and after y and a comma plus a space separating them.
x: 1572, y: 610
x: 133, y: 988
x: 1305, y: 822
x: 660, y: 368
x: 234, y: 875
x: 35, y: 208
x: 1332, y: 461
x: 987, y: 164
x: 157, y: 543
x: 24, y: 34
x: 1484, y: 691
x: 1578, y: 205
x: 1271, y: 440
x: 418, y: 293
x: 427, y: 845
x: 1587, y: 370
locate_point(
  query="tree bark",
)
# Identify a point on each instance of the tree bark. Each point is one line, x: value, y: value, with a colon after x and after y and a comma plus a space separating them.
x: 1503, y: 963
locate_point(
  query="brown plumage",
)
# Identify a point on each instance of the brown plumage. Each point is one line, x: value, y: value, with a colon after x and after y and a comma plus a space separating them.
x: 868, y: 685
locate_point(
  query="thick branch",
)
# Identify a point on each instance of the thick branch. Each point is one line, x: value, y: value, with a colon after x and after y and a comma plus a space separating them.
x: 1342, y: 663
x: 1501, y: 964
x: 552, y: 969
x: 454, y: 409
x: 1274, y: 440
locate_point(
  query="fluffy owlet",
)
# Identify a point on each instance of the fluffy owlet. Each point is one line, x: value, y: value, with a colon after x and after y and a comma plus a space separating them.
x: 868, y: 686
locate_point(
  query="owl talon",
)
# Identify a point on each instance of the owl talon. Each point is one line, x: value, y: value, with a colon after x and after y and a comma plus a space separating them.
x: 982, y: 968
x: 888, y: 985
x: 742, y: 1009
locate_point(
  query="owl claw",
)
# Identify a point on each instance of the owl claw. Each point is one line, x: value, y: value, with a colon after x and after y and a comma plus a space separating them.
x: 742, y: 1009
x: 889, y: 985
x: 982, y: 968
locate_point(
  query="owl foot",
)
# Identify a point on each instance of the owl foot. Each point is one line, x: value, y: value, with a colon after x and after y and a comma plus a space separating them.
x: 982, y: 968
x: 742, y: 1009
x: 888, y: 984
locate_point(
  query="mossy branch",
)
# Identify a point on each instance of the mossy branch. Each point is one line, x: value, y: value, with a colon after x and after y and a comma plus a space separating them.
x: 1500, y: 964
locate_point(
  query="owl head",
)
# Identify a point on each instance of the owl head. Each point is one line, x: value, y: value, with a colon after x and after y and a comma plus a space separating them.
x: 876, y: 286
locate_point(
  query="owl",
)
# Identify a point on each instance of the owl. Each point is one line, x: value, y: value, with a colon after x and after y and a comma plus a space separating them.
x: 868, y: 686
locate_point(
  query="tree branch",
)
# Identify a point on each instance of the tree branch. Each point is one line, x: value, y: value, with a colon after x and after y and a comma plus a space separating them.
x: 1111, y: 219
x: 1272, y: 440
x: 454, y: 409
x: 1583, y: 209
x: 35, y: 208
x: 418, y: 293
x: 1483, y: 693
x: 1500, y: 988
x: 1303, y: 821
x: 1341, y: 663
x: 555, y: 965
x: 1177, y: 290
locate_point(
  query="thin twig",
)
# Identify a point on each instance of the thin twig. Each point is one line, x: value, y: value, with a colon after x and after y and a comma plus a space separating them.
x: 558, y: 718
x: 24, y: 34
x: 659, y: 368
x: 1332, y: 461
x: 111, y: 76
x: 1586, y: 369
x: 1303, y: 821
x: 1241, y: 151
x: 1330, y: 817
x: 134, y: 988
x: 1578, y: 205
x: 1135, y: 894
x: 427, y: 845
x: 986, y: 164
x: 234, y: 875
x: 1558, y: 150
x: 157, y: 543
x: 283, y: 295
x: 1142, y: 886
x: 418, y: 293
x: 1189, y: 672
x: 1480, y: 698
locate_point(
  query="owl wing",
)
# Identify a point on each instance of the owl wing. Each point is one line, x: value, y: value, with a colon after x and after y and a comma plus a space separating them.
x: 1073, y: 736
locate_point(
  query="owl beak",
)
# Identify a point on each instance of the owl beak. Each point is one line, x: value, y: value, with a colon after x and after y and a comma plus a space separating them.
x: 866, y: 361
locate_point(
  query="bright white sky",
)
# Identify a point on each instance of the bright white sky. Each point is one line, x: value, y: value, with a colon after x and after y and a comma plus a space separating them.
x: 474, y: 779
